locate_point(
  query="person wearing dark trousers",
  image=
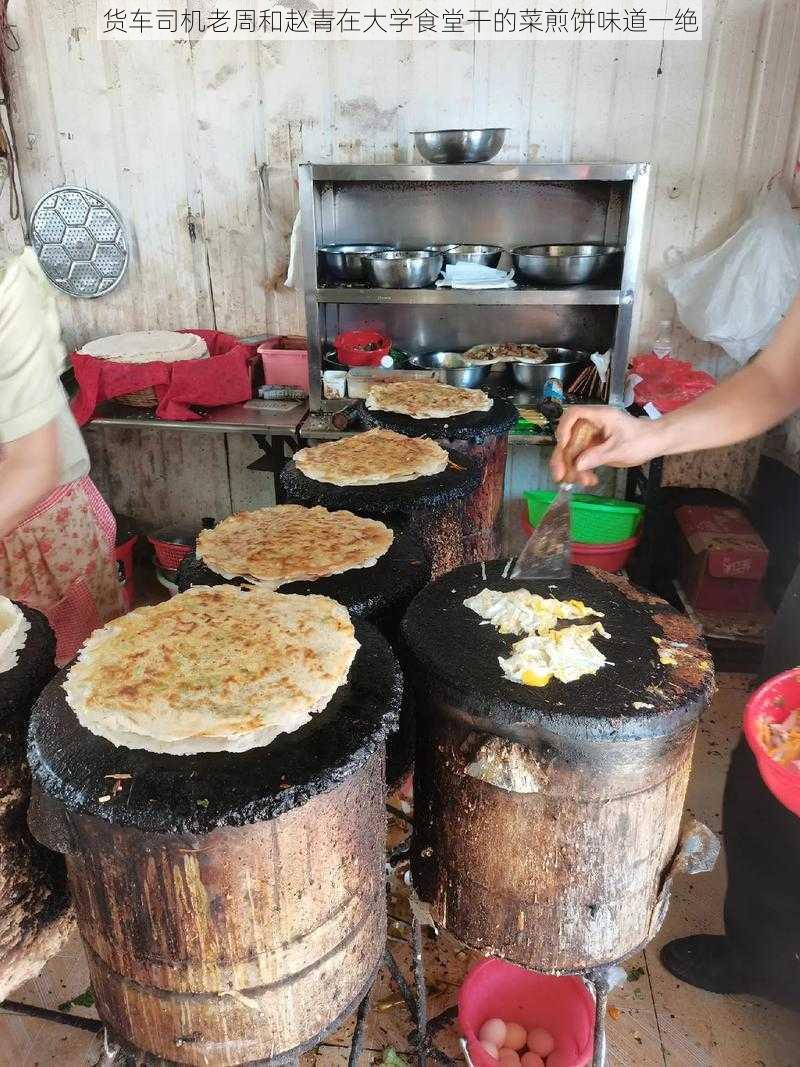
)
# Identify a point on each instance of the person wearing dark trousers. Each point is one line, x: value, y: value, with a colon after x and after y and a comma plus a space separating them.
x: 759, y: 953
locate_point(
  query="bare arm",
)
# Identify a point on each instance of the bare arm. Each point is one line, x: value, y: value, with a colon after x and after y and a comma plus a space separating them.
x: 29, y: 470
x: 753, y: 400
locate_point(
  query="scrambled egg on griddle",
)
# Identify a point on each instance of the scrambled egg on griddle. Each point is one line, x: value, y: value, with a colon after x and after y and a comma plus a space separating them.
x: 545, y: 652
x: 524, y: 612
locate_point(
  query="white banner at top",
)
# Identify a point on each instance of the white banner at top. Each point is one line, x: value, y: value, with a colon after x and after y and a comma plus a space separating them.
x: 381, y: 20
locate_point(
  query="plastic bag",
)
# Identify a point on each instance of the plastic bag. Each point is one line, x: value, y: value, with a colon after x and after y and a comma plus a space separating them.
x: 736, y: 295
x: 666, y: 382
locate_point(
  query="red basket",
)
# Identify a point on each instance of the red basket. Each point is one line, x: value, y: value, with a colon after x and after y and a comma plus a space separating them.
x: 611, y: 557
x: 350, y: 348
x: 775, y: 700
x: 169, y: 555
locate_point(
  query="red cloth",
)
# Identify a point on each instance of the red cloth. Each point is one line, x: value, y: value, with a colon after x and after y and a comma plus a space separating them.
x: 668, y: 383
x: 222, y: 379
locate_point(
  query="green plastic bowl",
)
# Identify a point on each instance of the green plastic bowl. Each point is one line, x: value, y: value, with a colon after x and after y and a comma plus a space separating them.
x: 595, y: 520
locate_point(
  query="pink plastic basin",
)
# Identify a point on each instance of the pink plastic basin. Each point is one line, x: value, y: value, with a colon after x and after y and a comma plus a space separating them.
x: 494, y: 989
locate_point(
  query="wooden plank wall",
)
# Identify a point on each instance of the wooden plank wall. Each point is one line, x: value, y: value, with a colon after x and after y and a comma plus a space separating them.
x: 175, y: 134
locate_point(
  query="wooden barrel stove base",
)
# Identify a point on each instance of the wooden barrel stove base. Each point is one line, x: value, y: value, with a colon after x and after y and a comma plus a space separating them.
x: 36, y: 916
x: 546, y: 819
x: 232, y: 905
x: 473, y: 528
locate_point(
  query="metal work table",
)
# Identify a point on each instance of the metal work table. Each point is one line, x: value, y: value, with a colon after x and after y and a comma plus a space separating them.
x: 271, y: 430
x: 235, y: 418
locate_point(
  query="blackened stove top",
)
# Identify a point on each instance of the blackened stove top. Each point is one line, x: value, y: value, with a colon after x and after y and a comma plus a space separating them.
x: 474, y: 426
x: 460, y: 477
x: 634, y: 696
x: 367, y: 592
x: 195, y: 794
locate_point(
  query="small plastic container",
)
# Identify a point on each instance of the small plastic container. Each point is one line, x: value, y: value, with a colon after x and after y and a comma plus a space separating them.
x: 285, y: 361
x: 351, y: 348
x: 595, y: 520
x: 775, y: 700
x: 563, y: 1006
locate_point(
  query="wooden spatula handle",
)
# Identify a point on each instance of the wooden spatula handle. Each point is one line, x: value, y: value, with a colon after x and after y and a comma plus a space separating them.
x: 584, y: 435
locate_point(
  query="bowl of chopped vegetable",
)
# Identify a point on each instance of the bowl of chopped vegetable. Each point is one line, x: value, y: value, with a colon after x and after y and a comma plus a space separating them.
x: 772, y: 729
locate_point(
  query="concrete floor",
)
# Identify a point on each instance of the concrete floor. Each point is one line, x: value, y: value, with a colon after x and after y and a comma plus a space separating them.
x: 654, y: 1021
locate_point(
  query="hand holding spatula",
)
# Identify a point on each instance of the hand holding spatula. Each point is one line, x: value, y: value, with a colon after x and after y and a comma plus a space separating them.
x: 548, y: 551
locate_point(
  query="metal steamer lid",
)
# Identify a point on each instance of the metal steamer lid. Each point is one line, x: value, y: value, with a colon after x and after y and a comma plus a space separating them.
x: 80, y: 240
x: 196, y: 794
x: 635, y: 696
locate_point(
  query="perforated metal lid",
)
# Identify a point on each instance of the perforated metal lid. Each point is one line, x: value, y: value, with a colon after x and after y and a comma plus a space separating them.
x: 80, y: 240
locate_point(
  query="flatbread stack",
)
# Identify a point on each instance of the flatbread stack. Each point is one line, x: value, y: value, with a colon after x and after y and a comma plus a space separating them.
x: 375, y: 457
x: 212, y: 670
x: 290, y: 543
x: 14, y: 629
x: 148, y: 346
x: 426, y: 400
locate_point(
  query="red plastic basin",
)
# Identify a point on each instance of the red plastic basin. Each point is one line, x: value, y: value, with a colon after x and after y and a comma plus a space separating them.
x: 351, y: 348
x: 494, y: 989
x: 611, y: 557
x: 775, y: 700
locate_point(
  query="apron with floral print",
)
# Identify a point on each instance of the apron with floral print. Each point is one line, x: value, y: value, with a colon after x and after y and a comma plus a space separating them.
x: 60, y: 560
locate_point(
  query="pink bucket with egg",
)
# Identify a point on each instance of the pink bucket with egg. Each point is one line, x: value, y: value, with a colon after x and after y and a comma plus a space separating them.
x: 549, y: 1019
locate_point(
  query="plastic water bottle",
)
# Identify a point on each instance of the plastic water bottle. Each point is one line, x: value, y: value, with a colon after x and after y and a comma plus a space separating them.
x: 662, y: 346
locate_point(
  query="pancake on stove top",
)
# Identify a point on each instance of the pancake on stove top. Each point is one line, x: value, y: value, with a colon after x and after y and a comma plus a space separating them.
x: 211, y: 670
x: 274, y: 546
x: 372, y: 458
x: 426, y: 400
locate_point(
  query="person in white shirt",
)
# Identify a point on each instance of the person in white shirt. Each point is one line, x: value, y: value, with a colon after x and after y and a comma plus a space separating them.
x: 56, y: 532
x: 759, y: 953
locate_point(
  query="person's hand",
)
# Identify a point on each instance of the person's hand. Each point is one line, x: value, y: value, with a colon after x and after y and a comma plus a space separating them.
x: 627, y: 441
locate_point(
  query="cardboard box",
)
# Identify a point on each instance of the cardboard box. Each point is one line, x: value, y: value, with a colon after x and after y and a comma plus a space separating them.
x: 723, y: 560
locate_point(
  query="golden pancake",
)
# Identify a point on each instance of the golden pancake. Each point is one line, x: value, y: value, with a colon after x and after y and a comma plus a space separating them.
x: 372, y: 458
x: 213, y: 669
x: 290, y: 543
x: 426, y: 400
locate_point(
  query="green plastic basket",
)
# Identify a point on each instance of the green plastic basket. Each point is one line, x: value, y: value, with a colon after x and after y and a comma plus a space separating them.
x: 595, y: 520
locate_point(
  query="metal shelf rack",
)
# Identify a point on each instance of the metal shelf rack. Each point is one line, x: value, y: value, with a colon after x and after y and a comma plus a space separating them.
x: 502, y: 204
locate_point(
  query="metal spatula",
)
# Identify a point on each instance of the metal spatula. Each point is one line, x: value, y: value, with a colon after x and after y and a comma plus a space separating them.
x: 548, y: 551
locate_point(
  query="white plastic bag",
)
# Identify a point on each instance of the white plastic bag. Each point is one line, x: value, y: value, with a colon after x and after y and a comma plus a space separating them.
x: 736, y: 295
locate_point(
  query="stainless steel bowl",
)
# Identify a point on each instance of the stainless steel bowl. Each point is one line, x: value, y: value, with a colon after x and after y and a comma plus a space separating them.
x: 452, y: 367
x: 404, y: 269
x: 489, y: 255
x: 562, y: 363
x: 438, y: 248
x: 563, y: 264
x: 459, y: 146
x: 347, y: 263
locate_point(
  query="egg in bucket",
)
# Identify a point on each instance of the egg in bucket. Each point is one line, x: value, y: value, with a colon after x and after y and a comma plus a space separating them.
x: 561, y: 1006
